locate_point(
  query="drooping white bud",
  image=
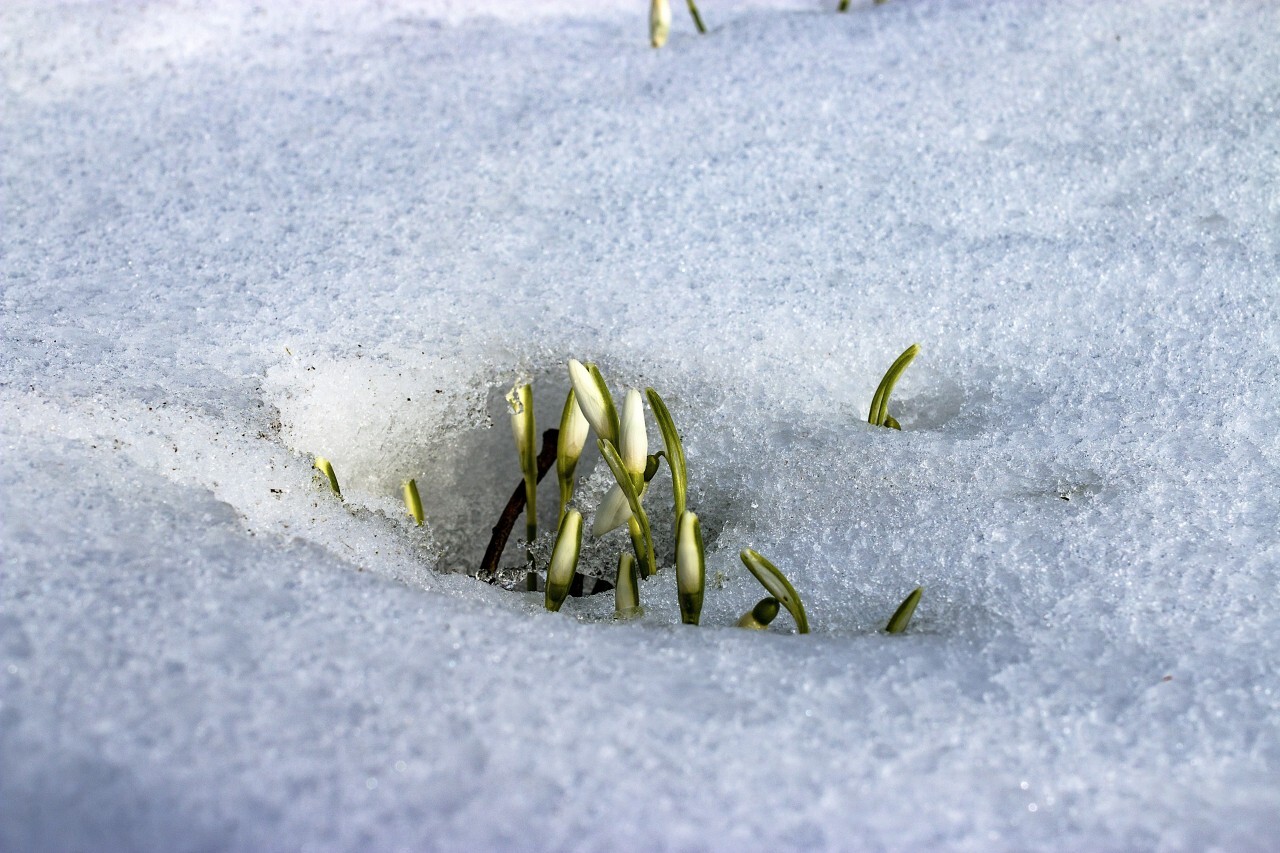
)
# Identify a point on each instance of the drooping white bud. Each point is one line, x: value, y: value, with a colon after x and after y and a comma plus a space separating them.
x: 593, y: 398
x: 635, y: 439
x: 613, y: 512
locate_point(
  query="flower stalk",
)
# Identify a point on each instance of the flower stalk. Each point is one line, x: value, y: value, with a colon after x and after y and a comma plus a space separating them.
x: 620, y: 473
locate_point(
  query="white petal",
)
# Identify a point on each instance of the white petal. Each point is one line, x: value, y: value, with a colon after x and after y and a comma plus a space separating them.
x: 613, y: 512
x: 590, y: 399
x: 635, y: 440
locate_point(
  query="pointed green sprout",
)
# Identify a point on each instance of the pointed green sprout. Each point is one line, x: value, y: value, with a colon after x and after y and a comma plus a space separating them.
x: 691, y: 568
x: 697, y: 19
x: 772, y: 579
x: 879, y: 415
x: 593, y: 397
x: 759, y: 617
x: 626, y: 591
x: 659, y: 22
x: 573, y: 437
x: 522, y: 427
x: 412, y: 502
x: 564, y: 559
x: 647, y: 563
x: 327, y: 469
x: 674, y: 452
x: 902, y: 616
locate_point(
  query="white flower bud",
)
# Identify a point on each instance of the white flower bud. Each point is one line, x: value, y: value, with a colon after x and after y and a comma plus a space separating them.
x: 564, y: 559
x: 635, y: 439
x: 691, y: 568
x: 659, y: 22
x: 594, y: 399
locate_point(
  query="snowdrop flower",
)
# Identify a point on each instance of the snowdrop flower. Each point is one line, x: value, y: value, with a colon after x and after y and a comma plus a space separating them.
x: 613, y: 512
x: 772, y: 579
x: 634, y: 441
x: 564, y: 559
x: 626, y: 592
x: 573, y: 437
x: 759, y: 617
x: 691, y: 568
x: 659, y: 22
x: 593, y: 397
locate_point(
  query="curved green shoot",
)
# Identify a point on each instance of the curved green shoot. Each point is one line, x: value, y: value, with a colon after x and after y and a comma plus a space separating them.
x: 697, y: 19
x: 902, y: 616
x: 772, y: 579
x: 674, y: 452
x: 327, y: 469
x: 628, y: 486
x: 879, y: 415
x: 412, y: 502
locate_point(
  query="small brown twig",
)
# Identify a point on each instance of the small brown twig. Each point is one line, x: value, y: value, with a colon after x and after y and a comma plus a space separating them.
x: 515, y: 506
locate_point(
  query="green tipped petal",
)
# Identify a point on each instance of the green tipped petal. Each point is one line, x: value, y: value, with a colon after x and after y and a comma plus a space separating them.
x: 613, y: 512
x: 522, y: 427
x: 573, y: 437
x: 412, y: 502
x: 772, y: 579
x: 759, y: 617
x: 880, y: 402
x: 610, y: 454
x: 691, y: 567
x: 564, y: 559
x: 594, y: 399
x: 327, y: 470
x: 902, y: 616
x: 626, y: 591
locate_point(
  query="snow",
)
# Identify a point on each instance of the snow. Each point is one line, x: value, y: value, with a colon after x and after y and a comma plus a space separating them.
x: 236, y: 237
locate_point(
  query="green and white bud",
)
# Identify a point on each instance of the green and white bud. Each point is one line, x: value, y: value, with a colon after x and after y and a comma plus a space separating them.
x: 573, y: 437
x: 902, y: 616
x: 772, y: 579
x: 626, y: 592
x: 327, y: 469
x: 659, y: 22
x: 593, y: 397
x: 522, y: 427
x: 564, y: 559
x: 634, y: 442
x: 412, y: 502
x: 759, y: 617
x: 691, y: 568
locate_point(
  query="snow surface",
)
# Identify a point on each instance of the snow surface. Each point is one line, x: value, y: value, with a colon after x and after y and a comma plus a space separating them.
x: 235, y: 236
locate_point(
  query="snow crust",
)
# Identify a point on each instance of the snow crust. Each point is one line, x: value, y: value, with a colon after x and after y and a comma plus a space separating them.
x: 235, y: 237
